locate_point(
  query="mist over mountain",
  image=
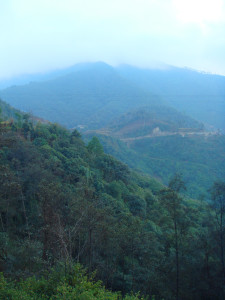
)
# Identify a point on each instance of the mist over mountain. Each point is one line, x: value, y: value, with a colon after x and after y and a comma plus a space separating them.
x: 91, y: 97
x: 39, y: 77
x: 93, y: 92
x: 198, y: 94
x: 135, y: 114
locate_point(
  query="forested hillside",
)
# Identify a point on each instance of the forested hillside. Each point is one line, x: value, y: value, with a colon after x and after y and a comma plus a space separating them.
x: 200, y: 95
x: 150, y: 120
x: 200, y: 159
x: 88, y: 97
x: 163, y: 142
x: 118, y: 103
x: 63, y: 202
x: 7, y: 111
x: 112, y: 150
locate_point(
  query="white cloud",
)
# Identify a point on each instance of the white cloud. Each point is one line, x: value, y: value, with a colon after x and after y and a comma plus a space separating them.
x: 199, y: 11
x: 39, y: 35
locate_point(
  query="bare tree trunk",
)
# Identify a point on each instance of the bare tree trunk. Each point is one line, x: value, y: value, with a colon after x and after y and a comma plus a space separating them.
x: 177, y: 261
x: 45, y: 244
x: 25, y: 215
x: 90, y: 249
x: 3, y: 228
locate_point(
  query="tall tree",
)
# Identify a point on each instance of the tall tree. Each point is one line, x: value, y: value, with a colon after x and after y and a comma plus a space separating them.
x: 218, y: 206
x: 172, y: 203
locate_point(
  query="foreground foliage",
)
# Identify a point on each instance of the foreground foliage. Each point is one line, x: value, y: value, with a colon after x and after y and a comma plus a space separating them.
x: 62, y: 201
x: 58, y: 284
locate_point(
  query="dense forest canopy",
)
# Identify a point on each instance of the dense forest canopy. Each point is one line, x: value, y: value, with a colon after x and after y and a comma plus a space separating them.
x: 63, y: 202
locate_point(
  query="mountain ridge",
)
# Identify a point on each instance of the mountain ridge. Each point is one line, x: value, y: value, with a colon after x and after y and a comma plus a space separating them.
x: 91, y: 97
x: 198, y: 94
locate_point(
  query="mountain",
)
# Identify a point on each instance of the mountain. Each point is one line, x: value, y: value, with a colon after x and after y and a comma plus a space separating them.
x: 200, y: 95
x: 164, y: 142
x: 64, y: 203
x: 150, y: 120
x: 90, y: 97
x: 119, y: 103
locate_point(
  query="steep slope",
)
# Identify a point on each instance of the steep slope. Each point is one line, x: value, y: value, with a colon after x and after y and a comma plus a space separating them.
x: 90, y: 97
x: 62, y: 202
x: 7, y: 111
x: 202, y: 96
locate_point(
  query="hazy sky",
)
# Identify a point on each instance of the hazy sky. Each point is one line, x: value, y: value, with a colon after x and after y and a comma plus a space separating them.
x: 40, y: 35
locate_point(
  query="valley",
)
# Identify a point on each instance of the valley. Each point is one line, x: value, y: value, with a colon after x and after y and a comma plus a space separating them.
x: 131, y: 189
x: 127, y: 109
x: 112, y: 150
